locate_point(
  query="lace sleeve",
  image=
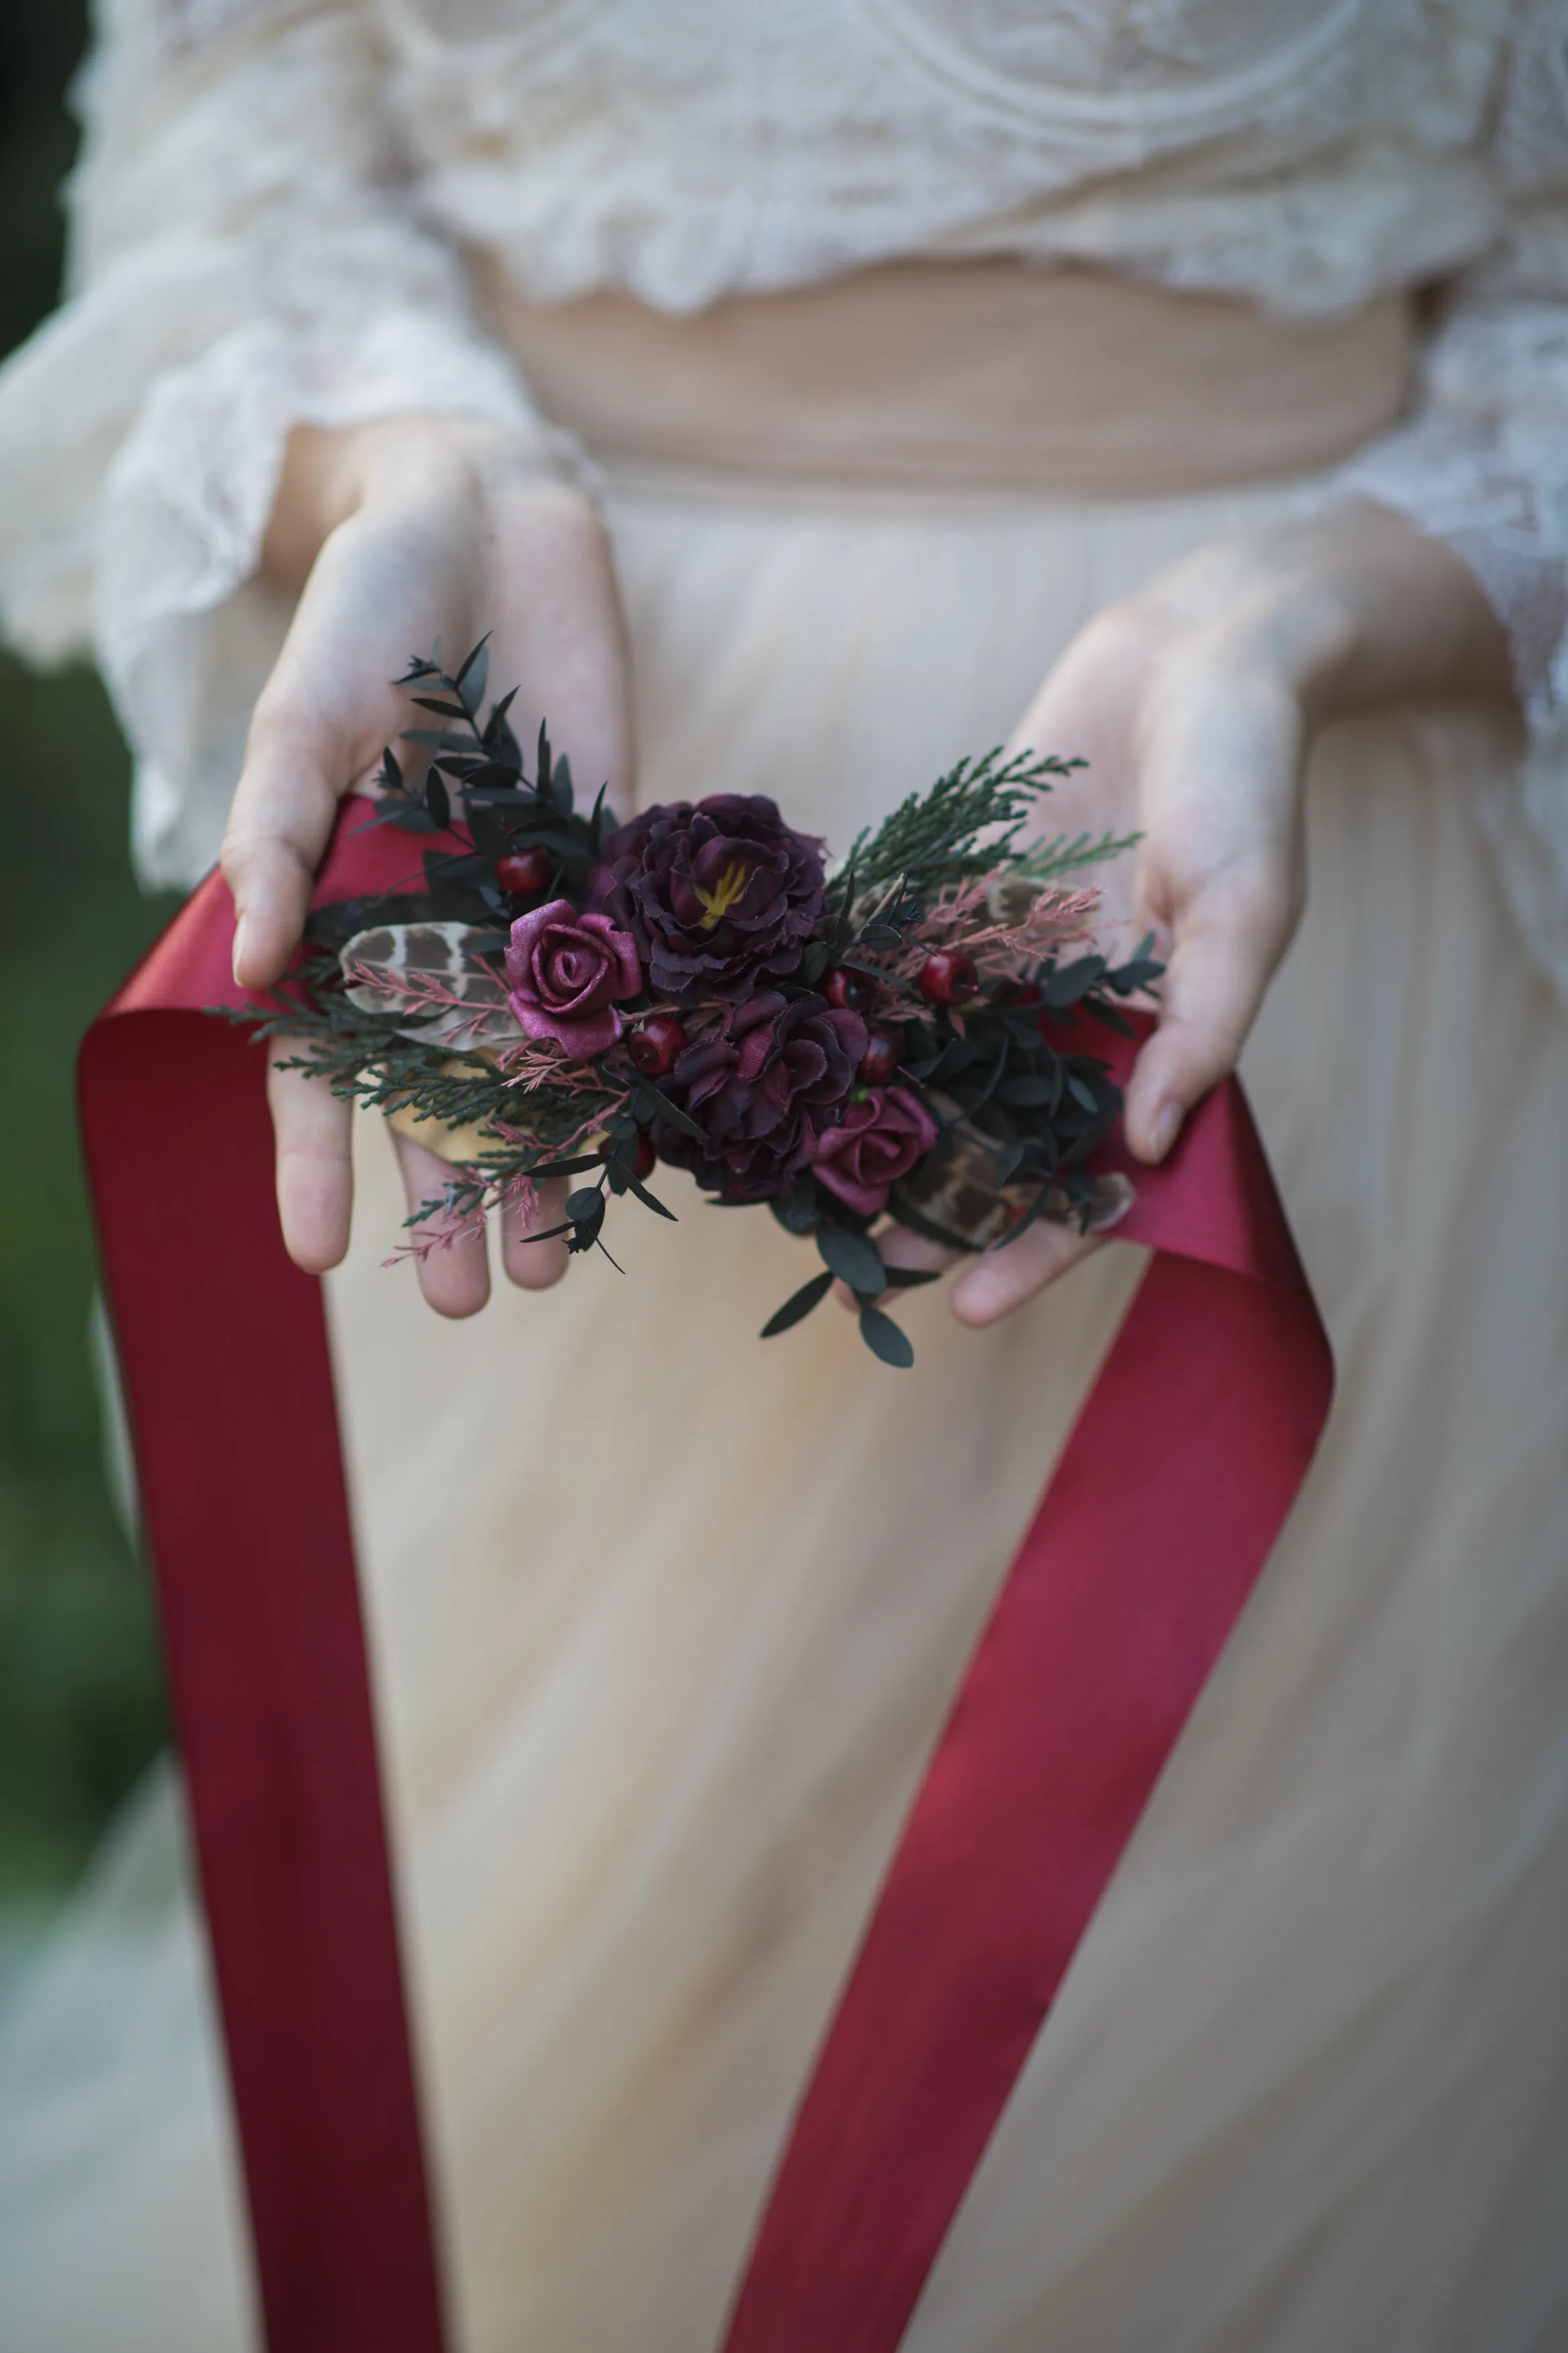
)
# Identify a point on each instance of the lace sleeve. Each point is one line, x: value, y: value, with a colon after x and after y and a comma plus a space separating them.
x: 246, y: 253
x: 1483, y: 463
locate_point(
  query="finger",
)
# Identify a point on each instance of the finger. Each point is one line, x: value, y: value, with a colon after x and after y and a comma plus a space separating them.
x: 900, y: 1246
x: 1220, y: 965
x: 312, y: 1130
x: 1000, y: 1280
x: 297, y: 767
x: 454, y: 1272
x: 535, y: 1265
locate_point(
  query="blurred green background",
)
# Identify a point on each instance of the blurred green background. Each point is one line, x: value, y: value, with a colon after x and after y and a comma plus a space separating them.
x: 81, y: 1706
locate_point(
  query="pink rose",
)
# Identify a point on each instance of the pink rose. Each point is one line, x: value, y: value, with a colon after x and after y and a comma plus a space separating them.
x: 563, y: 970
x: 879, y: 1140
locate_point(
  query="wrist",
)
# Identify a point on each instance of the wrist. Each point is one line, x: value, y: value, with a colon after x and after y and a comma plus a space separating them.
x: 329, y: 473
x: 1352, y: 610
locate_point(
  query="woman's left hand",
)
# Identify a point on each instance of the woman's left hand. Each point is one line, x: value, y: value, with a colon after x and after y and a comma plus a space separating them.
x: 1192, y: 703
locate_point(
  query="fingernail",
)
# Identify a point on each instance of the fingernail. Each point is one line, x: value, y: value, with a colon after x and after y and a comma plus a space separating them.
x: 238, y: 950
x: 1162, y: 1129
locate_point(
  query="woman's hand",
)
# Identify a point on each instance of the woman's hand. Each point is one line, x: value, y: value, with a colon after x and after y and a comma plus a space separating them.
x: 1193, y: 703
x: 396, y: 535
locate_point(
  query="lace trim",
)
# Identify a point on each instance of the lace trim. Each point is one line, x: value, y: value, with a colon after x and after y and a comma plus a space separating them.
x: 185, y: 633
x: 1484, y: 468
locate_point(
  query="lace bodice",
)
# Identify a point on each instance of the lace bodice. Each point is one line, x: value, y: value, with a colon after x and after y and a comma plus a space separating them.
x: 274, y: 196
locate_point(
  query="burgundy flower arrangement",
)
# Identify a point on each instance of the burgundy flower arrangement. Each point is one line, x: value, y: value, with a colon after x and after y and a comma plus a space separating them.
x: 561, y: 995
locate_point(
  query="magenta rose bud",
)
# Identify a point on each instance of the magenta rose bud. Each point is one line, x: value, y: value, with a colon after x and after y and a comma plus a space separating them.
x: 877, y: 1141
x: 565, y: 971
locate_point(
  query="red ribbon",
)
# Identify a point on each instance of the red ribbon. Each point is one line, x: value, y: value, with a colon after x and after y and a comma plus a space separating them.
x: 1162, y: 1510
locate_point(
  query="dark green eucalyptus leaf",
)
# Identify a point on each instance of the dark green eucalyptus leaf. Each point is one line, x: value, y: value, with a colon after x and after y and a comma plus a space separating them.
x: 1067, y: 983
x: 995, y: 1079
x: 436, y: 739
x: 814, y: 963
x: 572, y: 1168
x: 885, y: 1339
x: 447, y: 869
x: 588, y: 1202
x: 880, y: 935
x: 796, y: 1210
x: 1009, y: 1160
x: 911, y: 1278
x: 490, y: 777
x: 957, y: 1055
x: 798, y: 1305
x: 1025, y: 1094
x: 853, y: 1258
x: 443, y: 710
x: 561, y: 785
x: 651, y: 1200
x: 472, y: 678
x: 1098, y: 1011
x: 495, y: 729
x: 673, y: 1113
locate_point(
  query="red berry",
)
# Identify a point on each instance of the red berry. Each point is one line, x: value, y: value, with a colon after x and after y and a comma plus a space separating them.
x: 948, y: 978
x: 655, y: 1047
x: 525, y: 873
x: 850, y: 991
x: 882, y: 1058
x: 643, y: 1156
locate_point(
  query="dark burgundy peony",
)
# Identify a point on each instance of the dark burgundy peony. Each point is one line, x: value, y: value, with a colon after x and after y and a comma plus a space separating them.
x: 565, y: 971
x: 763, y: 1087
x: 877, y: 1141
x: 721, y: 898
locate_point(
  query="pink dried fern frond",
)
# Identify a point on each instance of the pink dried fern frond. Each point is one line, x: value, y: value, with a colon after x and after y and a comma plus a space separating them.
x: 963, y: 917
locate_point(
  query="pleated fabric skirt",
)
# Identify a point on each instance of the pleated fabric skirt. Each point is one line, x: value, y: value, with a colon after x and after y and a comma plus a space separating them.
x: 666, y: 1620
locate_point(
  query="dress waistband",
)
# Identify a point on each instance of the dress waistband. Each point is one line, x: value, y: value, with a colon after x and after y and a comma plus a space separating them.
x: 970, y: 375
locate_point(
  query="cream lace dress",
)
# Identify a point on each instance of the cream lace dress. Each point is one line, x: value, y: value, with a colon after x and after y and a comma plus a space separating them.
x: 651, y: 1729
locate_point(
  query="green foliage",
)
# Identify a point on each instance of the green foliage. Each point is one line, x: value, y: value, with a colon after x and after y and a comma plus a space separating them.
x: 970, y: 820
x: 80, y: 1698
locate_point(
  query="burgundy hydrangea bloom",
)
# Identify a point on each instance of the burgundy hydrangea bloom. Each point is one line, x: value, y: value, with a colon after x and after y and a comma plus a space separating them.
x: 879, y: 1140
x: 564, y: 970
x: 763, y: 1087
x: 721, y: 898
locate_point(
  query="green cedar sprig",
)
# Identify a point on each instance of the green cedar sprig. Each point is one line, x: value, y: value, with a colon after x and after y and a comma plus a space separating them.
x: 970, y: 820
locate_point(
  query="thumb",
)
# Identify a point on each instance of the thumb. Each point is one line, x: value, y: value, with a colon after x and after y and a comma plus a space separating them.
x: 1223, y: 958
x: 277, y: 831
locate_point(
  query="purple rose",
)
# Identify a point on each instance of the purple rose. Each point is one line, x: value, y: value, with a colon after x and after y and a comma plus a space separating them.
x: 877, y: 1141
x: 721, y: 898
x: 563, y: 970
x: 763, y: 1086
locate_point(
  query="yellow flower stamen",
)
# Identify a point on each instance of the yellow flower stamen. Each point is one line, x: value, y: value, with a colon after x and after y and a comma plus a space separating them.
x: 730, y: 887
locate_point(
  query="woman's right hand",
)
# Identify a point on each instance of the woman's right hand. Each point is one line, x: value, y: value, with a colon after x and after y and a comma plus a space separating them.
x: 396, y: 535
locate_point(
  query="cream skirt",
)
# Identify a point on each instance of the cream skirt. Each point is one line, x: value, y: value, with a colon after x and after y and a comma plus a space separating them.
x: 665, y: 1621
